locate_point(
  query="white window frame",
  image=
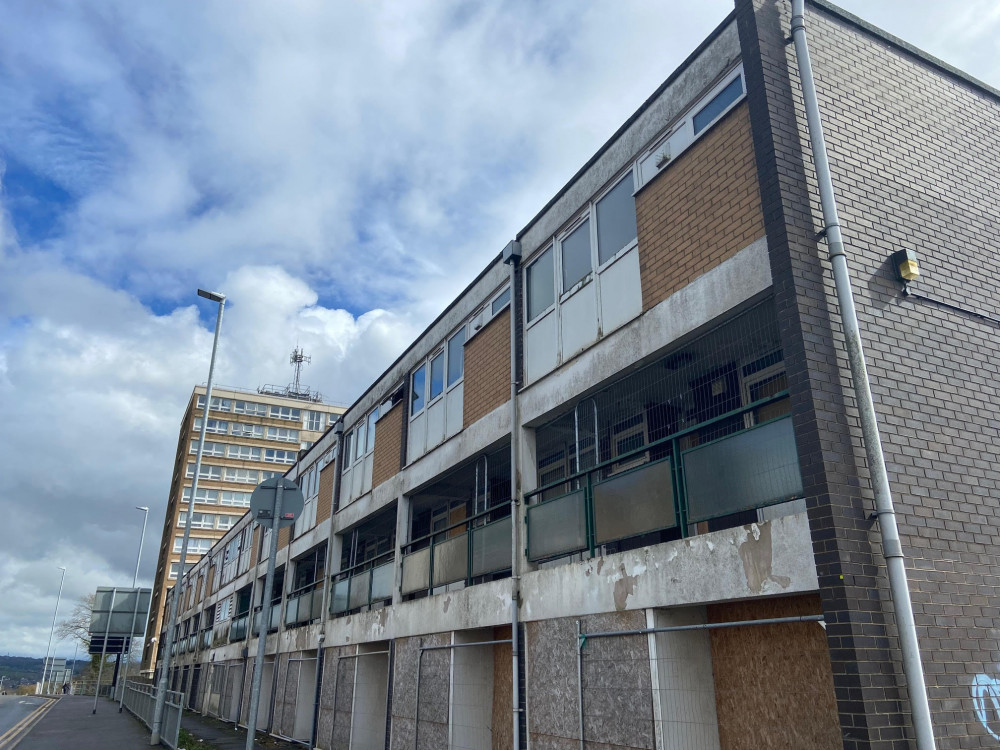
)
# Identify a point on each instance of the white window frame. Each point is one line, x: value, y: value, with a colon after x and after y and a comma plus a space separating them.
x: 205, y: 496
x: 483, y: 316
x: 236, y: 499
x: 218, y: 403
x: 291, y: 434
x: 443, y: 350
x: 556, y: 275
x: 288, y: 458
x: 252, y: 408
x: 242, y: 429
x: 320, y: 415
x: 213, y: 449
x: 679, y: 136
x: 243, y: 452
x: 211, y: 472
x: 241, y: 476
x: 284, y: 412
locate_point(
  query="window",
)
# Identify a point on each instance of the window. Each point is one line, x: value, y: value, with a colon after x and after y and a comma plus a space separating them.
x: 244, y: 452
x: 372, y: 418
x: 207, y: 472
x: 501, y: 301
x: 437, y: 375
x: 210, y: 497
x: 216, y: 426
x: 174, y: 567
x: 250, y: 407
x: 264, y: 475
x: 198, y: 520
x: 576, y: 255
x: 218, y: 404
x: 242, y: 476
x: 316, y: 421
x: 417, y: 390
x: 237, y: 499
x: 719, y: 104
x: 248, y: 430
x: 277, y: 456
x: 226, y: 522
x: 456, y: 356
x: 360, y: 445
x: 616, y: 228
x: 196, y: 546
x: 541, y: 285
x: 283, y: 434
x: 286, y: 412
x: 348, y: 444
x: 210, y: 449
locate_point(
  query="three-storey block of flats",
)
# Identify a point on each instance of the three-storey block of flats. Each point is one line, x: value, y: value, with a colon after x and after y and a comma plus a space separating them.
x: 615, y: 495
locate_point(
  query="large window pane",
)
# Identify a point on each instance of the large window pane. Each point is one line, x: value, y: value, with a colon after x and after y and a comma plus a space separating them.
x: 714, y: 108
x: 615, y: 220
x: 361, y: 441
x: 456, y: 356
x: 371, y: 431
x: 541, y: 277
x: 437, y: 375
x: 576, y: 255
x: 417, y: 391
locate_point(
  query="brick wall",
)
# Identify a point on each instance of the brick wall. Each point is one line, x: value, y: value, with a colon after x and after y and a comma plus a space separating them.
x: 388, y: 439
x: 487, y: 369
x: 700, y: 210
x: 324, y: 503
x: 915, y: 154
x: 284, y: 535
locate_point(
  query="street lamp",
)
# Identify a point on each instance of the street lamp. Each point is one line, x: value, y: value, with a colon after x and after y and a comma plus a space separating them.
x: 45, y: 664
x: 161, y: 685
x: 135, y: 577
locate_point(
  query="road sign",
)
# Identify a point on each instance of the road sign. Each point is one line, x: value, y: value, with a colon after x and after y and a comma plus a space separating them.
x: 262, y: 501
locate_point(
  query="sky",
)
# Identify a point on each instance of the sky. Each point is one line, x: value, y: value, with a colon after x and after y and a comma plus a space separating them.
x: 341, y: 170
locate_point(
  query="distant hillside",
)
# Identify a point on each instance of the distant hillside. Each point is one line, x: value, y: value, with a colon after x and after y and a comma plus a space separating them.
x: 19, y: 669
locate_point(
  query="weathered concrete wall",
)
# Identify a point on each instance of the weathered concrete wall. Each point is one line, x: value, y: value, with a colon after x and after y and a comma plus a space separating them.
x: 774, y: 557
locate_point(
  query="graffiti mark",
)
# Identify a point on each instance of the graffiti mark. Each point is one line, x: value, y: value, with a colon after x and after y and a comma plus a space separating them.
x: 986, y: 700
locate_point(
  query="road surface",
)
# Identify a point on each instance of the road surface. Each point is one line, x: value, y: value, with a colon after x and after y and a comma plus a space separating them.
x: 17, y: 713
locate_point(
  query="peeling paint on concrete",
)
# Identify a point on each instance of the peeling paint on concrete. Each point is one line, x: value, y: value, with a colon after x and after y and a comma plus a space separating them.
x: 624, y: 586
x: 446, y: 604
x: 756, y: 554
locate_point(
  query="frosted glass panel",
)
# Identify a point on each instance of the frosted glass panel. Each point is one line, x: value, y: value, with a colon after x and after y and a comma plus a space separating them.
x: 415, y: 570
x: 750, y: 469
x: 359, y: 589
x: 491, y: 547
x: 339, y: 603
x: 557, y: 527
x: 382, y: 582
x: 451, y: 560
x: 634, y: 503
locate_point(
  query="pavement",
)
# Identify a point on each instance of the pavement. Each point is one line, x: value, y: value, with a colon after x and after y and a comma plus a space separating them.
x: 68, y: 723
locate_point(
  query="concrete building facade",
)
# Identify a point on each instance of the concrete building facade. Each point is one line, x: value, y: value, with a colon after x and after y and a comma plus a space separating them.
x: 250, y: 437
x: 615, y: 496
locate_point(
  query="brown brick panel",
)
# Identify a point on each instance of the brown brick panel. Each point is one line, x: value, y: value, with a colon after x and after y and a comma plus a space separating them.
x: 487, y: 369
x: 700, y: 210
x: 324, y: 503
x: 388, y: 439
x: 283, y: 537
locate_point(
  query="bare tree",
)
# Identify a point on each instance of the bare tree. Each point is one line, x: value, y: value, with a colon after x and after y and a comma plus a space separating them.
x: 77, y: 625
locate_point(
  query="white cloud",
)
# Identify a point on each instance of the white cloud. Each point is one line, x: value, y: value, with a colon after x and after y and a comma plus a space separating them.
x: 340, y: 170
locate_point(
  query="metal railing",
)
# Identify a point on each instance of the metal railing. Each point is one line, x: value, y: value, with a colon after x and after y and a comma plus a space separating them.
x: 668, y: 484
x: 140, y: 700
x: 367, y: 583
x: 465, y: 551
x: 304, y: 604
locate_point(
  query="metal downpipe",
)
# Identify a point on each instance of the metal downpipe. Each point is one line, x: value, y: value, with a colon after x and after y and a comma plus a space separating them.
x: 515, y: 491
x: 892, y: 549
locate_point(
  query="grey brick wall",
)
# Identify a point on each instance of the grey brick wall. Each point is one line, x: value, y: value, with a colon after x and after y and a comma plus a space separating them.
x: 915, y: 154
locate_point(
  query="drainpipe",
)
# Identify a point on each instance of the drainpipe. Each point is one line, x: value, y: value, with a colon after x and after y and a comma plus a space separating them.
x: 892, y: 549
x: 511, y: 256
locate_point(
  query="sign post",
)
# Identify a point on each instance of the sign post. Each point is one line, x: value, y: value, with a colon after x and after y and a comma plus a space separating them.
x: 275, y: 503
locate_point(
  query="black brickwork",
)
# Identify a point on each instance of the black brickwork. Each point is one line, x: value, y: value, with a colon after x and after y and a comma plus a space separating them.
x: 915, y: 155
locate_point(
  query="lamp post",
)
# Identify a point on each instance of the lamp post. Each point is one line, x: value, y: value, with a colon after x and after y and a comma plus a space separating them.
x: 135, y: 611
x: 161, y: 685
x: 45, y: 664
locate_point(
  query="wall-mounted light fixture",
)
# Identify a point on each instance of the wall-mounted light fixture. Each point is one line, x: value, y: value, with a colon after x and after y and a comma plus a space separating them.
x: 906, y: 266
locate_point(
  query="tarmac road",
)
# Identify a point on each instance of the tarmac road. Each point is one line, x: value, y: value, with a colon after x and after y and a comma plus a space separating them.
x: 17, y: 713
